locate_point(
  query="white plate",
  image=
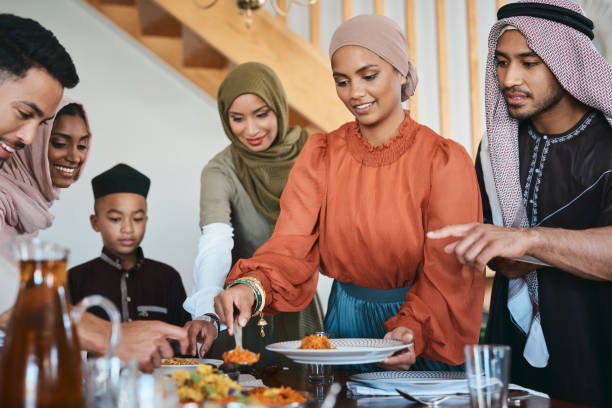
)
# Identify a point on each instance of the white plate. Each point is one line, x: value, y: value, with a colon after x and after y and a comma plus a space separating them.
x: 347, y: 351
x: 415, y: 382
x: 167, y: 369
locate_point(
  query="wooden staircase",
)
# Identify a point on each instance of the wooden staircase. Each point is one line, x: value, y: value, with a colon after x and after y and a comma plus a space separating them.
x: 203, y: 44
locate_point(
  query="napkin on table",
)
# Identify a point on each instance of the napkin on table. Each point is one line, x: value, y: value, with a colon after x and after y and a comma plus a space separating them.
x: 247, y: 381
x: 434, y: 388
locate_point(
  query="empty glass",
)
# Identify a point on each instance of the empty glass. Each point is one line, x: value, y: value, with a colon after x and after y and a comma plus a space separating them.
x: 487, y: 368
x: 103, y: 375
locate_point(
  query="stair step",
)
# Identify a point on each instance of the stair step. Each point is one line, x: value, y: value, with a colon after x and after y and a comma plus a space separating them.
x: 154, y: 20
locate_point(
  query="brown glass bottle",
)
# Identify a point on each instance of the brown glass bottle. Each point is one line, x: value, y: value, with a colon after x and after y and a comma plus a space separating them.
x: 40, y: 365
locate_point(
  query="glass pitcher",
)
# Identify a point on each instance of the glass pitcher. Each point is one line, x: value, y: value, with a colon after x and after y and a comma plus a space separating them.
x: 40, y: 364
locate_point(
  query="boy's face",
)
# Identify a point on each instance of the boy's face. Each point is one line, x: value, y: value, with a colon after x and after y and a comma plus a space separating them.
x: 121, y: 219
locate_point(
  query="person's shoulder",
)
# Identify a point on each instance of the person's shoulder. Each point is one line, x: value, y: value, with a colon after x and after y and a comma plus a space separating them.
x: 602, y: 128
x: 324, y: 141
x: 221, y: 161
x: 316, y: 144
x: 86, y: 266
x: 428, y: 140
x: 161, y: 268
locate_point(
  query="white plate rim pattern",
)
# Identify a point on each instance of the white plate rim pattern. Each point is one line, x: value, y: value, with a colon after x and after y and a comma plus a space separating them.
x: 410, y: 375
x: 391, y: 380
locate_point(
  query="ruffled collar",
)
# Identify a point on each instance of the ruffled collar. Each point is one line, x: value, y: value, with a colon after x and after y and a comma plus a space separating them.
x: 384, y: 154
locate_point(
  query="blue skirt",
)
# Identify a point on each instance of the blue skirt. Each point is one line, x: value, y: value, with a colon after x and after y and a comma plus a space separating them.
x: 358, y: 312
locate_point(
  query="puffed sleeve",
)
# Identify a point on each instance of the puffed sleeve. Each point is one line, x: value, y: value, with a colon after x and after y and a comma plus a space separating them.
x: 444, y: 306
x: 287, y: 263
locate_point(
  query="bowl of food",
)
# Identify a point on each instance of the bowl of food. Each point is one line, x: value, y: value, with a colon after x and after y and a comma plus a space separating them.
x: 238, y: 361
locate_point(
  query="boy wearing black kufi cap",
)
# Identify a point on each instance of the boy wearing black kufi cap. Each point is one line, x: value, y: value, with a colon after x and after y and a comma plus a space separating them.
x: 141, y: 288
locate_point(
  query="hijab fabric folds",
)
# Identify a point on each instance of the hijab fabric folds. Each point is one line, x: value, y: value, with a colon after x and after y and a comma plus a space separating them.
x: 383, y: 37
x: 581, y: 71
x: 263, y: 174
x: 26, y: 189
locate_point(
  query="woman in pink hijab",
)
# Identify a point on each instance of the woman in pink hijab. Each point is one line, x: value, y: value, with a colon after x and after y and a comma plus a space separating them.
x: 358, y: 204
x: 31, y: 180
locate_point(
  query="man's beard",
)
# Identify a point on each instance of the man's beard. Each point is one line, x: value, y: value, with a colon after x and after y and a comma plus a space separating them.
x: 553, y: 95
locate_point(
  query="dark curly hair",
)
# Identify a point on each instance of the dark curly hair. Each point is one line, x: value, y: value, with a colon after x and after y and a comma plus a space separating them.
x: 24, y: 44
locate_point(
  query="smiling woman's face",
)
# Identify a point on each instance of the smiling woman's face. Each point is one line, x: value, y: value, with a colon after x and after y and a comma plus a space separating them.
x: 369, y: 86
x: 253, y: 122
x: 68, y: 149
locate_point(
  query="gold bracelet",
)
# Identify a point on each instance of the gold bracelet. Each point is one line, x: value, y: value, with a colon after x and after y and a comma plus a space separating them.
x: 261, y: 322
x: 258, y: 287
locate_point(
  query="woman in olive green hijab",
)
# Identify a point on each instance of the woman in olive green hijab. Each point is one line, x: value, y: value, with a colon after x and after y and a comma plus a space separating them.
x: 240, y: 202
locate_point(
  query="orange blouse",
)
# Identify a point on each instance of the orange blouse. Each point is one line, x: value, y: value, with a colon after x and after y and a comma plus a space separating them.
x: 360, y: 213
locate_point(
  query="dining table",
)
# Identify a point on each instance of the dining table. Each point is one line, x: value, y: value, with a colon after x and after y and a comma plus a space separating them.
x: 297, y: 378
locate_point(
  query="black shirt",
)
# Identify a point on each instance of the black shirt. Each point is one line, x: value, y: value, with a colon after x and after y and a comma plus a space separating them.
x: 151, y: 290
x: 567, y: 183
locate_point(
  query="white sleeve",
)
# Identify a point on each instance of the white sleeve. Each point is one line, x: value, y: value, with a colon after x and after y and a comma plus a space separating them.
x: 211, y: 267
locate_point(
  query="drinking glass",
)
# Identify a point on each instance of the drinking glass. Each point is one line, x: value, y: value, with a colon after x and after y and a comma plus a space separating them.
x: 321, y: 373
x: 487, y: 369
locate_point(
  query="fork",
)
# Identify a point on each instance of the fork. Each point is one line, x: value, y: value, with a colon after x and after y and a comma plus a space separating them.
x: 433, y: 401
x: 238, y: 334
x: 514, y: 397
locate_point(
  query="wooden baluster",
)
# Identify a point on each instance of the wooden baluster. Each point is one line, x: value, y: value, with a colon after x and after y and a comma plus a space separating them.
x: 282, y: 4
x: 379, y: 7
x: 442, y: 67
x: 409, y: 20
x: 347, y: 9
x: 315, y: 25
x: 472, y: 27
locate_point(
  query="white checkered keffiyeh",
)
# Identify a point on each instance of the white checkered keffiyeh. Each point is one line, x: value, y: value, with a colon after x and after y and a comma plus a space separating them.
x: 586, y: 75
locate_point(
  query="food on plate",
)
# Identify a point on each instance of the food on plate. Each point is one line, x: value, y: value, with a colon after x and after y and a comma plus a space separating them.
x: 276, y: 396
x: 181, y: 361
x: 206, y: 382
x: 209, y: 383
x: 240, y: 356
x: 315, y: 342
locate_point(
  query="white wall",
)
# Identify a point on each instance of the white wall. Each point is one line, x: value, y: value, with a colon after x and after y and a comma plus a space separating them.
x: 142, y: 113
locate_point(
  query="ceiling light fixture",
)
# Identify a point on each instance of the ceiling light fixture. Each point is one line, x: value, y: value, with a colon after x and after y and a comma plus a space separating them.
x: 247, y: 7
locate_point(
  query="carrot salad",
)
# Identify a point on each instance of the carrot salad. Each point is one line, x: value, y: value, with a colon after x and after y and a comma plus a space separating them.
x: 240, y: 356
x: 276, y: 396
x: 315, y: 342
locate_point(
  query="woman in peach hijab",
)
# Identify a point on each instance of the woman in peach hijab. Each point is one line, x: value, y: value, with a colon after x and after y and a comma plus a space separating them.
x: 358, y: 204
